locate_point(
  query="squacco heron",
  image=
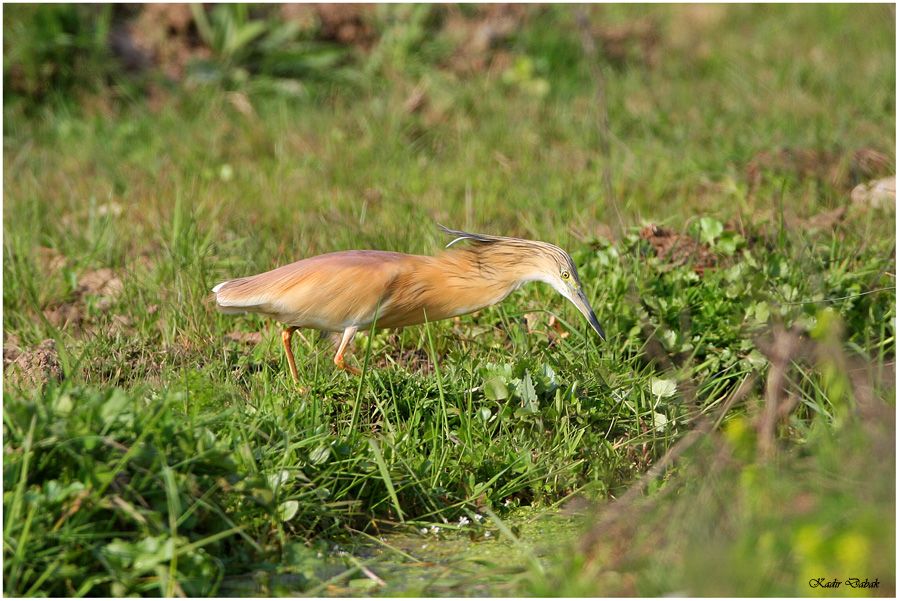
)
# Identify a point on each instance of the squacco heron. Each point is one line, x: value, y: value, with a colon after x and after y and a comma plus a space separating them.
x: 349, y: 290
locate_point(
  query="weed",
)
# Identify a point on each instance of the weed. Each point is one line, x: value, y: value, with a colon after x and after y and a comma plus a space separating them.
x: 168, y: 451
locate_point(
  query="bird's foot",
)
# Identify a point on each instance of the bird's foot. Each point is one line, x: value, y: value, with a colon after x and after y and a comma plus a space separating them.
x: 339, y: 362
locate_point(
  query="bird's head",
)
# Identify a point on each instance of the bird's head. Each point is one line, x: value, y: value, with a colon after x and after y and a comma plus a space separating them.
x: 531, y: 260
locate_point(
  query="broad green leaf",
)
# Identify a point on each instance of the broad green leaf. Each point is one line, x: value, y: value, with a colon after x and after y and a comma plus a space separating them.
x: 528, y: 394
x: 278, y: 478
x: 114, y: 406
x: 288, y: 509
x: 63, y: 405
x: 709, y: 229
x: 663, y: 388
x: 495, y: 389
x: 659, y: 421
x: 320, y: 455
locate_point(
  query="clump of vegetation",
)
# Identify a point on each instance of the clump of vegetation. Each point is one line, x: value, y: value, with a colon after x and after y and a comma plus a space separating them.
x: 263, y: 54
x: 154, y: 446
x: 53, y: 52
x: 775, y: 515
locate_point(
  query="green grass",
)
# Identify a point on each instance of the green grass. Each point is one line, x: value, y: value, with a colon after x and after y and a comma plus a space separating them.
x: 819, y: 512
x: 171, y: 459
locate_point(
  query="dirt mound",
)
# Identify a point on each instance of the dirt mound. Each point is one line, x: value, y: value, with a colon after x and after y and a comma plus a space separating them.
x: 631, y: 42
x: 349, y: 24
x: 161, y: 34
x: 842, y: 170
x: 480, y: 37
x: 101, y: 284
x: 244, y: 337
x: 677, y: 249
x: 34, y: 367
x: 878, y: 194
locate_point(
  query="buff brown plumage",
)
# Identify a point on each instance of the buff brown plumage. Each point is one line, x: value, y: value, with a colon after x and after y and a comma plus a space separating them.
x: 350, y: 290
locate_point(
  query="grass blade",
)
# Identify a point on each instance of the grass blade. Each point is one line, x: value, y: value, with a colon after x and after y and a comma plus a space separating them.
x: 385, y: 475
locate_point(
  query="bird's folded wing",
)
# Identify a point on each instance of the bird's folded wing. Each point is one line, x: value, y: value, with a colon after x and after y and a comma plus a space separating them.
x: 326, y: 291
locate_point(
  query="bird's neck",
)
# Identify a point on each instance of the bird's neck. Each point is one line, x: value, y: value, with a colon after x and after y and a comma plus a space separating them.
x: 478, y: 277
x: 456, y: 282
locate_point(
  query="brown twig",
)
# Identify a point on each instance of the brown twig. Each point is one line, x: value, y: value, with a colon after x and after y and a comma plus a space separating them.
x: 780, y: 354
x: 704, y: 427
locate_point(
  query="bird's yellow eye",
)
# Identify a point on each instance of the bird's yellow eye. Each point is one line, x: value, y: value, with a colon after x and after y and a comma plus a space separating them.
x: 565, y: 275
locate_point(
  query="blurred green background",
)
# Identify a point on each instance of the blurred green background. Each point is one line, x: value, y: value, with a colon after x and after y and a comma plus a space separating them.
x: 707, y: 166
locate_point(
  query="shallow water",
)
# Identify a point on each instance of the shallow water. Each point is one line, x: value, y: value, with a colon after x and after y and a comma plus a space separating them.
x: 478, y: 560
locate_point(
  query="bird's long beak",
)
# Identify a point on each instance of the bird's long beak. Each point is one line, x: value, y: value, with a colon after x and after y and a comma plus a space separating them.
x: 580, y: 301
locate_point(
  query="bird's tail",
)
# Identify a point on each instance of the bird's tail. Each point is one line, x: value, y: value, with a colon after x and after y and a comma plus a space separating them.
x: 238, y: 296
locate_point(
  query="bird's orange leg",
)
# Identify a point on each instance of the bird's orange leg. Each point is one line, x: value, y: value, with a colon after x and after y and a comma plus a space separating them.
x: 338, y: 358
x: 285, y: 338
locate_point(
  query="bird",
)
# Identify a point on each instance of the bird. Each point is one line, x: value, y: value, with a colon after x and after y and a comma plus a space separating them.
x: 350, y: 290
